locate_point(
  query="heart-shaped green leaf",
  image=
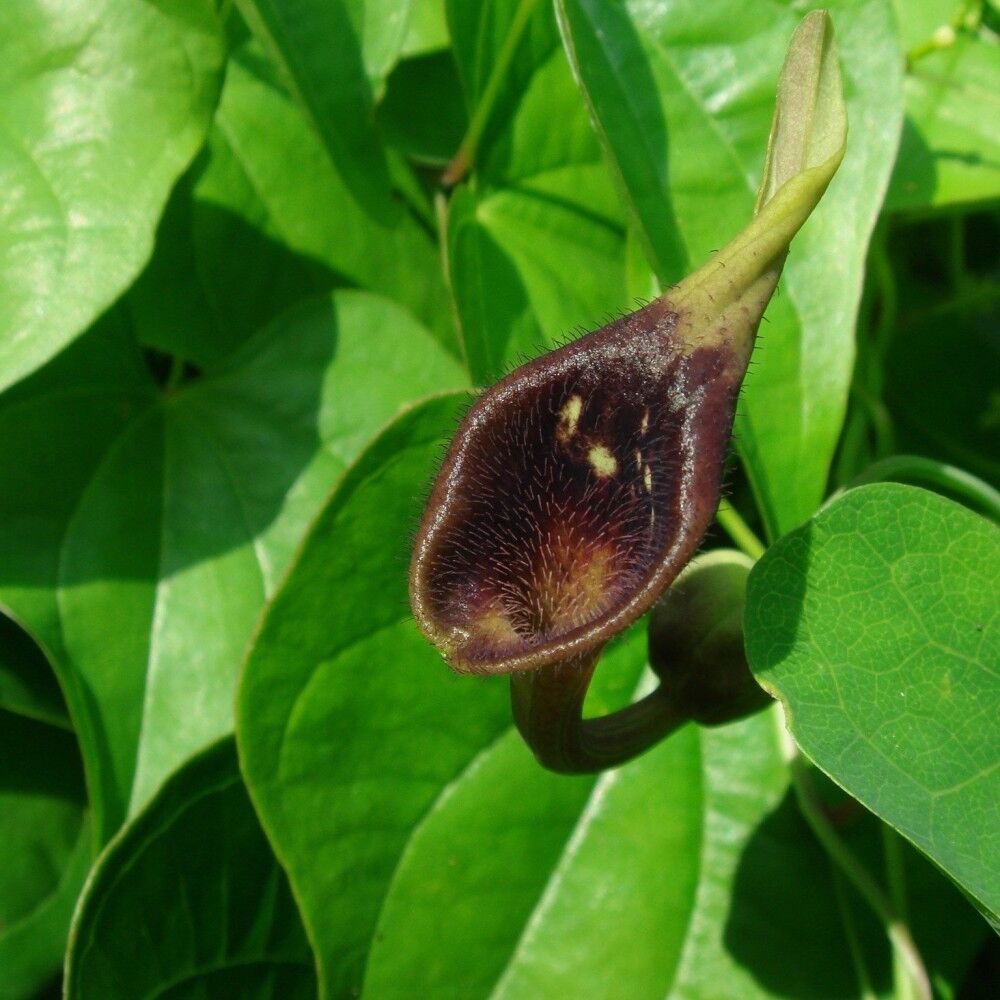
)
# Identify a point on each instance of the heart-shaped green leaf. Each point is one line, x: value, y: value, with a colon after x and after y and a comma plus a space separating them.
x: 266, y: 187
x: 877, y: 624
x: 483, y: 875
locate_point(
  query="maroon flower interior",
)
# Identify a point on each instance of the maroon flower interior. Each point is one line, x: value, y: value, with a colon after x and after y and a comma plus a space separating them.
x: 569, y: 487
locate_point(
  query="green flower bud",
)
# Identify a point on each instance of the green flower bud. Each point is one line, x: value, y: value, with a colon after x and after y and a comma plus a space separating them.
x: 696, y: 641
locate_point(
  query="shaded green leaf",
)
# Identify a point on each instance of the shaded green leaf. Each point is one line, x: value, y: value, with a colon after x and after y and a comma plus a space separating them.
x: 47, y: 849
x: 536, y: 246
x: 959, y: 426
x: 84, y: 185
x: 268, y: 191
x: 226, y: 927
x: 423, y: 114
x: 177, y: 513
x: 525, y: 271
x: 682, y: 97
x: 876, y: 623
x: 28, y: 686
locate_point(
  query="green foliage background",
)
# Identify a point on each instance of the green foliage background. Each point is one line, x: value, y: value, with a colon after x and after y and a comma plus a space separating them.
x: 239, y: 313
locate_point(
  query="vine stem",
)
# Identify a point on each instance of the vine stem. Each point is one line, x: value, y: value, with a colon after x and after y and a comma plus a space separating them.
x: 851, y: 932
x: 896, y: 878
x: 904, y: 948
x: 738, y: 530
x: 463, y: 160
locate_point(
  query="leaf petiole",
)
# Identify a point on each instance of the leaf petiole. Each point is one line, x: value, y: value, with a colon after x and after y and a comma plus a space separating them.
x: 547, y: 706
x: 463, y: 160
x: 739, y: 531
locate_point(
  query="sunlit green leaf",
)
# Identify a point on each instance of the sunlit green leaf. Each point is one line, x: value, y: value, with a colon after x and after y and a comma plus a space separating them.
x: 349, y: 724
x: 484, y: 875
x: 177, y: 513
x: 263, y: 221
x: 334, y: 56
x: 535, y: 248
x: 950, y: 152
x: 102, y: 106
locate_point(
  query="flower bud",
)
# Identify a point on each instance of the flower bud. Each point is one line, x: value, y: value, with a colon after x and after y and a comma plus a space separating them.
x: 696, y: 641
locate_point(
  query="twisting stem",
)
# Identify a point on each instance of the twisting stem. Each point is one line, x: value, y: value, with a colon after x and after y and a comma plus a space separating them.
x: 904, y: 948
x: 548, y: 711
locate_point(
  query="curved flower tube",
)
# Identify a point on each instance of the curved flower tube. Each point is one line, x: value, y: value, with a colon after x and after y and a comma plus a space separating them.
x: 578, y: 487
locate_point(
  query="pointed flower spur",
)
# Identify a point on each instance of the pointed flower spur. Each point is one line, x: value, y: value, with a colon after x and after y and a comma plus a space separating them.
x: 577, y: 488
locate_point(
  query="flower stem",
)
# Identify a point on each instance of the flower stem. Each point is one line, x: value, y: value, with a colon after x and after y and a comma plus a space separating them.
x: 462, y: 161
x: 548, y: 710
x: 851, y: 933
x: 904, y: 949
x: 896, y: 877
x: 738, y: 530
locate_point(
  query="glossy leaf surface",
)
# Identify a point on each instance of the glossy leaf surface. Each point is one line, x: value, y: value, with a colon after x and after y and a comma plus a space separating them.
x: 266, y: 188
x: 333, y: 55
x: 328, y: 700
x: 685, y: 125
x: 83, y: 185
x: 226, y: 925
x: 876, y: 623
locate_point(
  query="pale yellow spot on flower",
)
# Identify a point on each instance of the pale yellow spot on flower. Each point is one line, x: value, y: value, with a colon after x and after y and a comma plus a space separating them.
x: 493, y: 625
x: 602, y: 461
x: 569, y: 417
